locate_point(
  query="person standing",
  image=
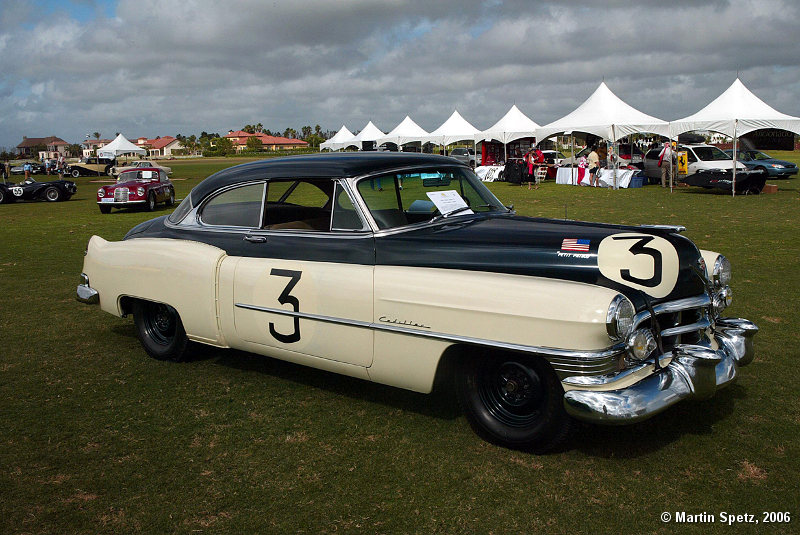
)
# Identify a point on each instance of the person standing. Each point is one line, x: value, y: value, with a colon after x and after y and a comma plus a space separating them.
x: 27, y: 168
x: 594, y: 167
x: 665, y: 162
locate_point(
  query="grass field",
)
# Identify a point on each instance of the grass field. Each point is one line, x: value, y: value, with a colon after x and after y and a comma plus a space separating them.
x: 98, y: 438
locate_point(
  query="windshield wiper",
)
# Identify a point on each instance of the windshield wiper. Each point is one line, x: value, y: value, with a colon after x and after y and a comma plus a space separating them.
x: 451, y: 212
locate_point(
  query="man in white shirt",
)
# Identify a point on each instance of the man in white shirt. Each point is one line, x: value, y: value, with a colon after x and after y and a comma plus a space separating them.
x: 666, y: 159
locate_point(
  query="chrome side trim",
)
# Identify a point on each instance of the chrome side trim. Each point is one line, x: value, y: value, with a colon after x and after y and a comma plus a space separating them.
x: 563, y: 360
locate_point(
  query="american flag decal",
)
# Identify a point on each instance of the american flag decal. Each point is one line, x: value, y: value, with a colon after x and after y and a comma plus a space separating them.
x: 573, y: 244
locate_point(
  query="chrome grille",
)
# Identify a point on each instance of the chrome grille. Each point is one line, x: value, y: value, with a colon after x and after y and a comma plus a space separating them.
x: 681, y: 322
x: 121, y: 195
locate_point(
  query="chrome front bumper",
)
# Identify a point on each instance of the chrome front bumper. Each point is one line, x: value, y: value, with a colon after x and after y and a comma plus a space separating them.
x: 87, y: 294
x: 694, y: 371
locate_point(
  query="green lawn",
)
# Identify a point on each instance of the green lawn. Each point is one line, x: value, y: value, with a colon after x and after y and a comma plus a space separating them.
x: 98, y: 438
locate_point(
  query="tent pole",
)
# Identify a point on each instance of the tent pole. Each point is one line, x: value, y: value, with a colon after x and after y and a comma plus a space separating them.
x: 572, y: 165
x: 735, y: 157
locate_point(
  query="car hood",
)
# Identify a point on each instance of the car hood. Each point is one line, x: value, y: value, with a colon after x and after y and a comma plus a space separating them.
x: 658, y: 262
x: 130, y: 183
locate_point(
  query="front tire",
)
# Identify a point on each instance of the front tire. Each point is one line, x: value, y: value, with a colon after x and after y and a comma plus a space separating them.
x: 75, y: 173
x: 513, y: 400
x: 151, y: 202
x: 160, y: 330
x: 52, y: 194
x: 171, y: 199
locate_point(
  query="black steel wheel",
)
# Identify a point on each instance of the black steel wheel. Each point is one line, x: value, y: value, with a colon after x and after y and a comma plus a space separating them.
x: 151, y: 202
x: 52, y: 194
x: 513, y: 400
x: 160, y: 330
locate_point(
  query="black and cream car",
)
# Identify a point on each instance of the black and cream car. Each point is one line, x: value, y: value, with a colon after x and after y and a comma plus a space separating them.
x: 404, y: 269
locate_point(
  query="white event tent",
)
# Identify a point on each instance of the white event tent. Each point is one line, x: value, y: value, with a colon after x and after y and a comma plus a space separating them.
x: 342, y: 139
x: 369, y: 133
x: 455, y: 128
x: 605, y: 115
x: 120, y: 145
x: 734, y: 113
x: 513, y: 125
x: 737, y: 111
x: 406, y: 132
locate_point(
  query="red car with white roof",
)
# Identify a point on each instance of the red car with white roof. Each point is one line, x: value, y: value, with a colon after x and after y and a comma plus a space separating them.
x: 143, y: 187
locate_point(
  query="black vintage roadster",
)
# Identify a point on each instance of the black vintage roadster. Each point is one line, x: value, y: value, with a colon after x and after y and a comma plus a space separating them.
x: 31, y: 190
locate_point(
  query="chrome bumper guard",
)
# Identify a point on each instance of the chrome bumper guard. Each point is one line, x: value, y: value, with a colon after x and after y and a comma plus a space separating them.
x: 695, y: 371
x: 87, y: 294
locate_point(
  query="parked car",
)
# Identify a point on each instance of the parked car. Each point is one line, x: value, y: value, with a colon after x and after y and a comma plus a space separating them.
x: 760, y: 161
x: 139, y: 164
x: 137, y: 187
x: 31, y: 190
x: 699, y: 157
x: 537, y: 322
x: 36, y: 169
x: 749, y: 182
x: 90, y: 167
x: 464, y: 155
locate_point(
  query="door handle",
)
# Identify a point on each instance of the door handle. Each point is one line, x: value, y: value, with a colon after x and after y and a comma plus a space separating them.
x: 255, y: 239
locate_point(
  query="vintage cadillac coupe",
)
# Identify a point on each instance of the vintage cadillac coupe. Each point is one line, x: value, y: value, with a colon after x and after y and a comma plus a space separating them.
x: 404, y: 269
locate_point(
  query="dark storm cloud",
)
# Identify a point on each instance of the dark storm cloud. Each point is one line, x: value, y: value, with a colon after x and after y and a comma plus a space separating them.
x: 163, y: 67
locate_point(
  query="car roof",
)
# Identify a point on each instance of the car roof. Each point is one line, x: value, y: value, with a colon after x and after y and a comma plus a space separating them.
x: 322, y: 165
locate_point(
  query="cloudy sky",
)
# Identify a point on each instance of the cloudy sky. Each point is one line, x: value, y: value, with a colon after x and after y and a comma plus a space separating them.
x: 164, y: 67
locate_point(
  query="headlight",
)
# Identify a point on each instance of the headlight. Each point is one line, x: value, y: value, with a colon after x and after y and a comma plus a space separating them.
x: 722, y: 272
x: 777, y: 166
x: 140, y: 191
x: 101, y: 193
x: 641, y: 344
x: 619, y: 319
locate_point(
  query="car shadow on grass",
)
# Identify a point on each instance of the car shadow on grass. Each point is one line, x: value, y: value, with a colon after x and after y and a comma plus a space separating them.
x: 441, y: 403
x: 641, y: 439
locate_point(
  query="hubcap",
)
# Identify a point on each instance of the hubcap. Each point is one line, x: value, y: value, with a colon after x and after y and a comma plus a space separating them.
x: 512, y: 392
x: 160, y: 324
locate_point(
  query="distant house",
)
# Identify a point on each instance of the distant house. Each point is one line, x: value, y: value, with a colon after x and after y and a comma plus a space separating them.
x: 54, y: 147
x: 90, y: 146
x: 239, y: 139
x: 160, y: 146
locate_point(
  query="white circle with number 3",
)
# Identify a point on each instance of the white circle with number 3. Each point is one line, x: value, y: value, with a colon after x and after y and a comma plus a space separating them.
x: 642, y: 261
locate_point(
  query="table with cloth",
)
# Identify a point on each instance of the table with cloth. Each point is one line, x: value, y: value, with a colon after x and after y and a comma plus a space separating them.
x: 580, y: 177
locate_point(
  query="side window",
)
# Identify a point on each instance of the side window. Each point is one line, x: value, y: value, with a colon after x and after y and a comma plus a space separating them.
x: 345, y: 216
x: 299, y: 204
x: 238, y: 207
x: 690, y: 156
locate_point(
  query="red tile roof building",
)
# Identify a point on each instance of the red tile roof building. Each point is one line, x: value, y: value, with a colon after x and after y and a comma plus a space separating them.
x: 239, y: 139
x: 54, y: 146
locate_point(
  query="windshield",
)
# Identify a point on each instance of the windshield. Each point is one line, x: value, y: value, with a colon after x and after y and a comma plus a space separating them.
x: 399, y: 199
x: 710, y: 154
x: 136, y: 174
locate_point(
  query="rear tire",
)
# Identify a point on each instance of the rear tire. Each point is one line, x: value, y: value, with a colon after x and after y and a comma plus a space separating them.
x: 513, y: 400
x: 75, y: 173
x: 160, y: 330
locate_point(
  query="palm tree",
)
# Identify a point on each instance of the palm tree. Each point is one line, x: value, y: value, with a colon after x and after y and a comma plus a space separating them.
x: 96, y: 135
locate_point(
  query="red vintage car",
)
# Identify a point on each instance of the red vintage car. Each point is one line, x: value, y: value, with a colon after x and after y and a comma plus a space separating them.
x: 137, y: 187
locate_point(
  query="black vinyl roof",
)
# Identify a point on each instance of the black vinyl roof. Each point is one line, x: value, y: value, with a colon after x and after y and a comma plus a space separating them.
x: 323, y: 165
